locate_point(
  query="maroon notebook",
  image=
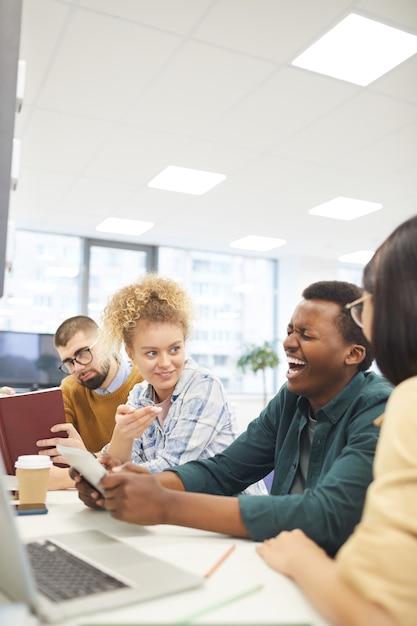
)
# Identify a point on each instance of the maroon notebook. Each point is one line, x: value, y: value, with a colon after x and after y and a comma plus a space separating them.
x: 25, y: 418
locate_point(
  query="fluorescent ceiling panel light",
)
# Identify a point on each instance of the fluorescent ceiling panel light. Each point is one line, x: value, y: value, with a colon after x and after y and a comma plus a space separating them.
x: 124, y: 227
x: 358, y: 50
x: 186, y: 180
x: 345, y: 208
x: 259, y: 244
x: 361, y: 257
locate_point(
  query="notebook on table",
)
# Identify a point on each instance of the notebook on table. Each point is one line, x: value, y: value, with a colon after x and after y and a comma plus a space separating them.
x: 104, y: 572
x: 25, y: 418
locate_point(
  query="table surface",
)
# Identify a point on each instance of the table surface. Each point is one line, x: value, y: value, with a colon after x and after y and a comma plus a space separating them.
x: 277, y: 602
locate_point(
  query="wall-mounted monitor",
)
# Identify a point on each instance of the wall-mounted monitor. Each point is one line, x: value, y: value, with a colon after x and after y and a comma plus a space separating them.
x: 28, y: 360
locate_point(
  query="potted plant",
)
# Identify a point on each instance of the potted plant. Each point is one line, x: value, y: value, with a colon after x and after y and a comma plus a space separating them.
x: 259, y: 358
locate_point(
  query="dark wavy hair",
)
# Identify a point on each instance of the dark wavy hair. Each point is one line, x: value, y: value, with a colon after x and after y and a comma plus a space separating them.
x: 343, y: 293
x: 391, y: 276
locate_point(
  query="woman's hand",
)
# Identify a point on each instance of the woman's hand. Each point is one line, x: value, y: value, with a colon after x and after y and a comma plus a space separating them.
x: 288, y: 549
x: 108, y: 461
x: 131, y: 423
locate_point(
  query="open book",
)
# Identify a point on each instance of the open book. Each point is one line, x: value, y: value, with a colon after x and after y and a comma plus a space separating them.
x: 25, y: 418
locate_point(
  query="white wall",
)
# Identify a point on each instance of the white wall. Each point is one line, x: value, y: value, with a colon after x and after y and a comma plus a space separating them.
x: 294, y: 275
x: 246, y: 409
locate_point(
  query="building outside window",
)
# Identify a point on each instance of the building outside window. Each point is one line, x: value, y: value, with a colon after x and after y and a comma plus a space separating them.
x: 235, y: 297
x: 43, y: 286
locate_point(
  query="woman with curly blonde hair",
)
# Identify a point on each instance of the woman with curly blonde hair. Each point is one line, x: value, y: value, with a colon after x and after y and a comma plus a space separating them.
x: 180, y: 412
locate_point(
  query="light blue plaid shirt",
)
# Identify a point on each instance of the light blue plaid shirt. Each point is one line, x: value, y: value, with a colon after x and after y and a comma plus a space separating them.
x: 199, y: 423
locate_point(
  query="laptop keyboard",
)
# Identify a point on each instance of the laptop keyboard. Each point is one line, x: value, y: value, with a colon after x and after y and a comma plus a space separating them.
x: 62, y: 576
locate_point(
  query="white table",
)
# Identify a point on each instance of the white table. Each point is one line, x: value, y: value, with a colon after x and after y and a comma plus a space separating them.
x: 278, y: 601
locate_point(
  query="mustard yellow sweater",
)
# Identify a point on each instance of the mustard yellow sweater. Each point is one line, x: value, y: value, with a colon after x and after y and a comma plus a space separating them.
x: 93, y: 414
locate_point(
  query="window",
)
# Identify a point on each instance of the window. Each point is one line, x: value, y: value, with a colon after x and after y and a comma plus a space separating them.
x: 54, y: 277
x: 43, y: 286
x: 110, y: 267
x: 235, y: 298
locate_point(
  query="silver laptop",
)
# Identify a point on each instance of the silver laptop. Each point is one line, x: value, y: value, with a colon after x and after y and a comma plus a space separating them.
x: 125, y: 574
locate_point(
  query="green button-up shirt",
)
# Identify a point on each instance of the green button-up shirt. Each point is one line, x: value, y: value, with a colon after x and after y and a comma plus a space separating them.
x: 339, y: 470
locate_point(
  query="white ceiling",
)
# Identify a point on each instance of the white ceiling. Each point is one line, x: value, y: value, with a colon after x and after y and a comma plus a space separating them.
x: 116, y: 90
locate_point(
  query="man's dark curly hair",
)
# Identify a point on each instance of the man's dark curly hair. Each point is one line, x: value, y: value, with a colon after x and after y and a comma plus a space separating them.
x: 342, y: 293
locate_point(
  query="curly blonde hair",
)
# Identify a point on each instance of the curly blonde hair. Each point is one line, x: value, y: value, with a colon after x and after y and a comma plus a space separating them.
x: 153, y: 299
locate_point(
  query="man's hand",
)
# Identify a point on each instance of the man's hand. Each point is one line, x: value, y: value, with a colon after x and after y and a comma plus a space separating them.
x: 86, y: 492
x: 120, y: 479
x: 135, y: 495
x: 73, y: 440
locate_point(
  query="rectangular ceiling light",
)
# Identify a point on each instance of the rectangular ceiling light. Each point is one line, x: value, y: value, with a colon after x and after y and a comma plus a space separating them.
x: 186, y: 180
x: 124, y: 227
x: 358, y: 50
x: 258, y: 244
x: 345, y: 208
x: 361, y: 257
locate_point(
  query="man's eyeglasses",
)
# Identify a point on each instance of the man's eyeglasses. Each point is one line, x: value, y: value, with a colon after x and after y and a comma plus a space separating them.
x: 82, y: 357
x: 356, y: 309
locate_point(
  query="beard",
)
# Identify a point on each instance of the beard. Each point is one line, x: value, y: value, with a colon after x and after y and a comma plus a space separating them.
x: 96, y: 381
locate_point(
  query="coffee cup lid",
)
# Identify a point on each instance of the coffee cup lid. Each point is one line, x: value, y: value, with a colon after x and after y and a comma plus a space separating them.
x: 33, y: 461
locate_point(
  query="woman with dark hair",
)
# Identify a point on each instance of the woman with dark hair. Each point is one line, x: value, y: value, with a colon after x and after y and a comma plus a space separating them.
x: 373, y: 580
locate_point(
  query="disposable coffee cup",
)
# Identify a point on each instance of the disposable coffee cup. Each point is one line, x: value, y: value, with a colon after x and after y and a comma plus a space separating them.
x: 32, y: 472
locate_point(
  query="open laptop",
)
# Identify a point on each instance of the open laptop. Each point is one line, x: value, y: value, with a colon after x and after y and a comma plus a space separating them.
x: 129, y: 574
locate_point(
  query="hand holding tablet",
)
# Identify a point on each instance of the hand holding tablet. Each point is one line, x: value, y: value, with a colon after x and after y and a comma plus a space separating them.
x: 86, y: 464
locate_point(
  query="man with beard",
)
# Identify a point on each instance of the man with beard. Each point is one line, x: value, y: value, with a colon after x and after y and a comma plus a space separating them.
x: 97, y: 383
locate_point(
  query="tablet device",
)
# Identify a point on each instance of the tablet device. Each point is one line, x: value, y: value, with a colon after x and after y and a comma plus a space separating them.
x: 86, y: 464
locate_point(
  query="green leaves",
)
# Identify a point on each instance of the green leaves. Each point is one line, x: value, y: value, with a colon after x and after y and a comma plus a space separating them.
x: 258, y: 358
